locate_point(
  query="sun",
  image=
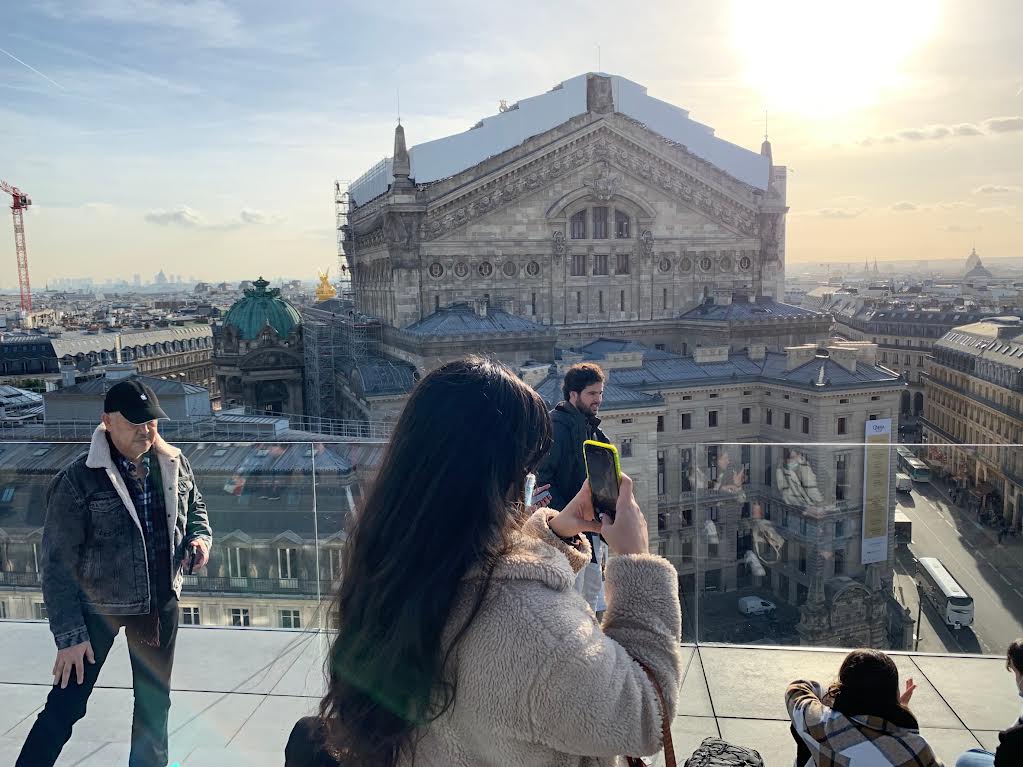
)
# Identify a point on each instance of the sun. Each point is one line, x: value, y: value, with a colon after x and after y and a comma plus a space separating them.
x: 819, y: 58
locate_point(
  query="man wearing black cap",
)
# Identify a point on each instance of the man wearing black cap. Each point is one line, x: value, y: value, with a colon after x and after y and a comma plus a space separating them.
x: 121, y: 523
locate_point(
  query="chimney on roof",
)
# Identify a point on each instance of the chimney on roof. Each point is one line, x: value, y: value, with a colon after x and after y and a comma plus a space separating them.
x: 706, y: 354
x: 67, y: 374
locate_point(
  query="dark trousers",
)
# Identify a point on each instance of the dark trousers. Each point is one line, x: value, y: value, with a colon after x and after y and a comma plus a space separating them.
x: 151, y: 672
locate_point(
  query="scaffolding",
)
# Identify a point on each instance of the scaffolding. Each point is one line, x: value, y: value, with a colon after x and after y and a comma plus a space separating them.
x: 345, y: 238
x: 334, y: 342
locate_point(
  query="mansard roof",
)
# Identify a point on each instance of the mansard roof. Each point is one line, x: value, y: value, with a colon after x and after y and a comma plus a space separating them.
x: 744, y: 310
x: 445, y: 157
x: 465, y: 319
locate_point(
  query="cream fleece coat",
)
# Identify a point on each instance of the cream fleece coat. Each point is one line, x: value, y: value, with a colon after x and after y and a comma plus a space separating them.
x: 539, y: 681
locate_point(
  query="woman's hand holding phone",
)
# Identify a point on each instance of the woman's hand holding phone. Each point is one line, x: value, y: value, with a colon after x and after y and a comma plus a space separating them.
x: 627, y: 533
x: 577, y: 516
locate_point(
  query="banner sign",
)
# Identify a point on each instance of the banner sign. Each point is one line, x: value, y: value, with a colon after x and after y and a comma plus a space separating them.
x: 876, y: 478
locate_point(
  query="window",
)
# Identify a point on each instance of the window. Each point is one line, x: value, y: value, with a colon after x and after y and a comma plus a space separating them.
x: 769, y: 416
x: 335, y: 563
x: 712, y: 549
x: 839, y: 562
x: 841, y: 426
x: 533, y: 304
x: 687, y: 549
x: 660, y: 423
x: 660, y: 472
x: 578, y: 302
x: 621, y: 300
x: 686, y: 519
x: 436, y: 303
x: 746, y: 459
x: 600, y: 223
x: 577, y: 226
x: 840, y: 528
x: 872, y: 417
x: 664, y: 298
x: 237, y: 562
x: 578, y: 265
x: 290, y: 619
x: 687, y: 469
x: 712, y: 465
x: 600, y: 301
x: 621, y: 225
x: 662, y: 522
x: 768, y: 474
x: 841, y: 479
x: 39, y: 611
x: 7, y: 495
x: 622, y: 263
x: 600, y: 263
x: 3, y: 610
x: 190, y: 616
x: 240, y: 616
x: 788, y: 421
x: 713, y: 395
x: 802, y: 559
x: 626, y: 448
x: 746, y: 412
x: 287, y: 562
x: 712, y: 418
x: 806, y: 425
x: 685, y: 421
x: 803, y: 526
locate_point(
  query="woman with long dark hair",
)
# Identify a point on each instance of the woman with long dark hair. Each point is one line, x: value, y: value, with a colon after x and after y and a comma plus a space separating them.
x: 861, y: 721
x: 460, y: 638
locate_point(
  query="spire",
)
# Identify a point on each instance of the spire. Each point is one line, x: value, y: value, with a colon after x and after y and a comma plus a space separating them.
x: 765, y: 148
x: 401, y: 167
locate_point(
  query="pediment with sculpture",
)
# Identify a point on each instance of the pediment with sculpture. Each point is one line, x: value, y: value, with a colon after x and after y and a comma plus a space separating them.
x: 612, y: 155
x: 270, y: 359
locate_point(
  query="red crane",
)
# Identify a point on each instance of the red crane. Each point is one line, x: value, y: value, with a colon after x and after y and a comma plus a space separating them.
x: 20, y: 201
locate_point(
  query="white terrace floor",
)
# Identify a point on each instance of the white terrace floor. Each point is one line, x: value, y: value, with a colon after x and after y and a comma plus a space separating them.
x: 237, y: 693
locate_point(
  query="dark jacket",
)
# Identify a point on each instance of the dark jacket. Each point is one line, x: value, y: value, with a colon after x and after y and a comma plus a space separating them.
x: 1010, y: 746
x: 94, y: 552
x: 564, y: 467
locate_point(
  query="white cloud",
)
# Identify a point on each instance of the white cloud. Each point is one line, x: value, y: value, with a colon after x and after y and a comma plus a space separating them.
x: 839, y: 213
x: 989, y: 127
x: 181, y: 216
x: 996, y: 189
x: 905, y: 205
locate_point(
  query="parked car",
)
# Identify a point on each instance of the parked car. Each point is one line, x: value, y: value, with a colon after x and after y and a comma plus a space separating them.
x: 756, y: 606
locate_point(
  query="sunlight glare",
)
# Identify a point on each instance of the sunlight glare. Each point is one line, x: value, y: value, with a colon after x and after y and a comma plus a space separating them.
x: 823, y: 57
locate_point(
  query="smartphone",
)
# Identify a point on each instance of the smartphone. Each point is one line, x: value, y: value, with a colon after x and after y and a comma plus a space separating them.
x: 604, y: 472
x: 191, y: 562
x: 541, y: 498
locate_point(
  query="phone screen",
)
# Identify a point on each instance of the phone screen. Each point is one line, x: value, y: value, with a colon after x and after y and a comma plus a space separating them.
x: 600, y: 468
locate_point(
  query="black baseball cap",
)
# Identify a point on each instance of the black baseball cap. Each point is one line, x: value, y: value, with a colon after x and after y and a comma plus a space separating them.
x: 134, y: 400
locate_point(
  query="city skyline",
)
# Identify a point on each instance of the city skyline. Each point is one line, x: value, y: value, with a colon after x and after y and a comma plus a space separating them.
x: 209, y: 134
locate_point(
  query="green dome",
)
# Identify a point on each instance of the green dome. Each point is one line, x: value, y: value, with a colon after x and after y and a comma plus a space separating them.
x: 259, y: 307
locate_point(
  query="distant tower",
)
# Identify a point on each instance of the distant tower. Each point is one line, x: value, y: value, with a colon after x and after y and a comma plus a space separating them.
x: 401, y: 166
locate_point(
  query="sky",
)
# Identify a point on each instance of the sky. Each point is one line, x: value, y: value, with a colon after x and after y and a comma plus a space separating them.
x: 203, y: 137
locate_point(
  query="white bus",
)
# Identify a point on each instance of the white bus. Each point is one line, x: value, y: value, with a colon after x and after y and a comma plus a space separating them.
x: 949, y: 598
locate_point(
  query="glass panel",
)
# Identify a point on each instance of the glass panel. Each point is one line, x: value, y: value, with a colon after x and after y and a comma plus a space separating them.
x: 880, y: 544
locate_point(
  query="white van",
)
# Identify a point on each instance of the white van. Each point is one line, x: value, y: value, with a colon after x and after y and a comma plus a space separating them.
x: 903, y: 483
x: 756, y: 606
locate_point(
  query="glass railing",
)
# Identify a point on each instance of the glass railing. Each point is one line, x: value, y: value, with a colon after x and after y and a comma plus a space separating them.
x: 278, y: 511
x: 876, y: 544
x: 822, y: 544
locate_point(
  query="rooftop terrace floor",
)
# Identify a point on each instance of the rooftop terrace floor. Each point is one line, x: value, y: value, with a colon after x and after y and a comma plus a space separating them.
x: 237, y: 693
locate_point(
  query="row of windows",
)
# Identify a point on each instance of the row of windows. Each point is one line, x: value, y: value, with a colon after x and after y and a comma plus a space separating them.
x: 601, y: 264
x: 595, y: 223
x: 240, y: 564
x: 240, y: 617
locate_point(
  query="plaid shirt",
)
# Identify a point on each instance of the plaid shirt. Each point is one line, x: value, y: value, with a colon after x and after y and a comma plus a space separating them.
x: 146, y: 493
x: 835, y: 740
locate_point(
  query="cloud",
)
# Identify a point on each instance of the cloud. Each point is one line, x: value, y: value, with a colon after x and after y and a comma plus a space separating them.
x: 989, y: 127
x: 187, y: 218
x: 960, y: 228
x: 182, y: 216
x: 996, y: 189
x: 837, y: 213
x: 1004, y: 124
x: 905, y: 205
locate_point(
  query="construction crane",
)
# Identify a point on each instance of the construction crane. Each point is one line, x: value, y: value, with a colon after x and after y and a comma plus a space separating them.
x: 20, y: 201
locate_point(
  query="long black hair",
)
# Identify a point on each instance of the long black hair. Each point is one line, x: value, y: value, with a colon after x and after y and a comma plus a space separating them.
x: 444, y: 501
x: 868, y: 685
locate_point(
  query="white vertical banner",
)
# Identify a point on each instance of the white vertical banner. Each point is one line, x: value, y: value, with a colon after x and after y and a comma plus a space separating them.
x: 877, y: 440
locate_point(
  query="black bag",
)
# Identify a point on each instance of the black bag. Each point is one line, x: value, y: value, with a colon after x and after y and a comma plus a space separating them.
x: 714, y: 752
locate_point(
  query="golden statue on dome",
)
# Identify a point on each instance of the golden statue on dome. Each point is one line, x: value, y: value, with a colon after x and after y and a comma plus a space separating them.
x: 325, y: 291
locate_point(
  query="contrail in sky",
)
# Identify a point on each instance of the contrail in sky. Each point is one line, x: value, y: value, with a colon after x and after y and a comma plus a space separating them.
x: 29, y: 66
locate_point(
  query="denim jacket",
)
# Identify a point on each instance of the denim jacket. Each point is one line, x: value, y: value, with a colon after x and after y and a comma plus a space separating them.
x: 94, y: 553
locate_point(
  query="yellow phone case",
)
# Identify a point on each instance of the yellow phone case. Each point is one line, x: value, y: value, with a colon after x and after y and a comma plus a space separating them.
x: 605, y: 446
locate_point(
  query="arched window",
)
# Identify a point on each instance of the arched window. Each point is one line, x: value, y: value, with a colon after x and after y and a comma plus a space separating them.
x: 621, y: 225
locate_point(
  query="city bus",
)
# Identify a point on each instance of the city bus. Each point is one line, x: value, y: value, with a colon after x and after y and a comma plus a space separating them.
x: 917, y: 470
x: 947, y: 596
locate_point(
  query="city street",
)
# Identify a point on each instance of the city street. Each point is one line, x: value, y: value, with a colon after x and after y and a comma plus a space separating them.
x: 990, y: 572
